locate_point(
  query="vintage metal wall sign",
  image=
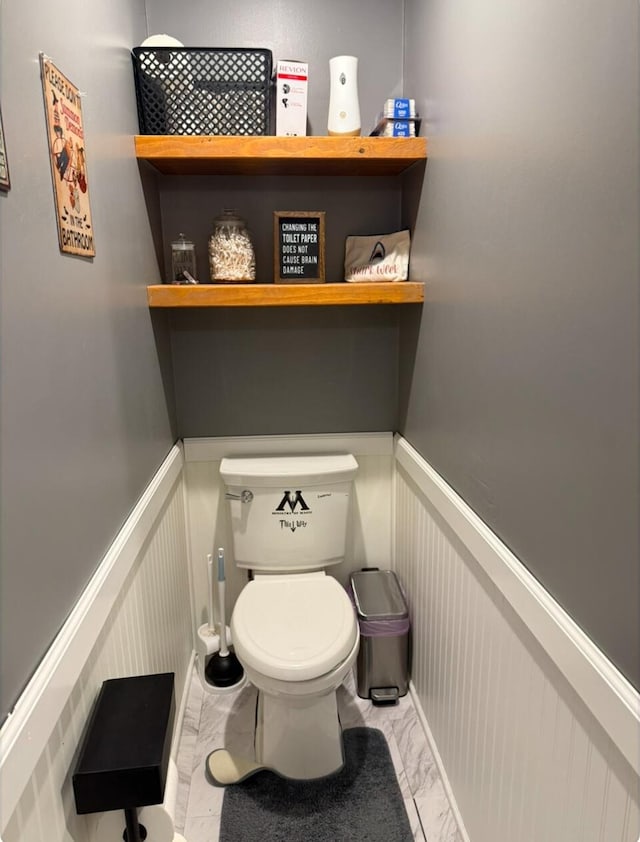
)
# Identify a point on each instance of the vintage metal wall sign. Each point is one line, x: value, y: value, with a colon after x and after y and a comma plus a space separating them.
x: 298, y: 247
x: 5, y: 183
x: 68, y: 159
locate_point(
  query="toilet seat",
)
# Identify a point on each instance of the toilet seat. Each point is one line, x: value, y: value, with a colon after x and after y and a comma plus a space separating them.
x: 293, y: 627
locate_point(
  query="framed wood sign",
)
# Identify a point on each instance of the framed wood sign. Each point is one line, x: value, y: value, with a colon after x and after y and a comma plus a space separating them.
x: 67, y: 156
x: 298, y: 247
x: 5, y: 182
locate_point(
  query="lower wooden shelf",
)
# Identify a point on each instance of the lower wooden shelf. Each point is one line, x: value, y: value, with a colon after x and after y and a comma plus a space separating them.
x: 284, y: 295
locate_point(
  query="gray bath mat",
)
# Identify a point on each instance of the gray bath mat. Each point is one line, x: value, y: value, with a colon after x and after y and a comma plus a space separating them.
x: 362, y: 802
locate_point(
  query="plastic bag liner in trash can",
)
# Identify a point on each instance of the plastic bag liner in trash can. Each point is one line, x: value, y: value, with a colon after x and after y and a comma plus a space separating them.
x: 383, y: 619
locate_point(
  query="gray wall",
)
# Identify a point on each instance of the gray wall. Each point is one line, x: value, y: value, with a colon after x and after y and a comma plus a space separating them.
x: 287, y: 370
x: 305, y: 30
x: 83, y: 417
x: 524, y: 389
x: 273, y: 371
x: 87, y: 386
x: 280, y: 370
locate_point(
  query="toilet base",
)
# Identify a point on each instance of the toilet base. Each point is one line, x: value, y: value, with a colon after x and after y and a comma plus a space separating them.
x: 301, y: 737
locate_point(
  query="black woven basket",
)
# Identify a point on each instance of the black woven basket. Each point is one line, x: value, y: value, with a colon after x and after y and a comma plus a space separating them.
x: 203, y: 90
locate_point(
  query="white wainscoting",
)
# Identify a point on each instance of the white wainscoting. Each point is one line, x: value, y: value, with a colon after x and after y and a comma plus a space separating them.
x: 538, y: 732
x: 134, y: 618
x: 369, y: 543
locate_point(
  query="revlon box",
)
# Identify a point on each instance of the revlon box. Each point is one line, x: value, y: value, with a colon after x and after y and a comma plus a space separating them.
x: 291, y: 98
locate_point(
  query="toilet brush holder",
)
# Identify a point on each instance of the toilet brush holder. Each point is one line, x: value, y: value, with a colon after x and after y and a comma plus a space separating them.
x: 219, y: 669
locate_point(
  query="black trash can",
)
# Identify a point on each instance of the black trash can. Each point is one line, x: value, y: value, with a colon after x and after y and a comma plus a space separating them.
x: 383, y: 659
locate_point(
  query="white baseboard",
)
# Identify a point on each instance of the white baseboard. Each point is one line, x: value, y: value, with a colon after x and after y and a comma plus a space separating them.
x: 171, y: 788
x: 446, y: 784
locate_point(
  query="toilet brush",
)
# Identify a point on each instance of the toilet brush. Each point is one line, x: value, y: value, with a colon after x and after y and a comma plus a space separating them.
x: 212, y: 629
x: 223, y: 669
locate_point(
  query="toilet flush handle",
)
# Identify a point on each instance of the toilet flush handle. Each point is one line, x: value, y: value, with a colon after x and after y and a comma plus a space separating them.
x: 246, y: 496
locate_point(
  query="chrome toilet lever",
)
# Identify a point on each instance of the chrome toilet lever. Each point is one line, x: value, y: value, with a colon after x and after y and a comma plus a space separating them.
x: 245, y: 496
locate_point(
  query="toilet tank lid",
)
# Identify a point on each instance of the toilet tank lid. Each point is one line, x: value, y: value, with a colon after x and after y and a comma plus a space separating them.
x: 273, y: 470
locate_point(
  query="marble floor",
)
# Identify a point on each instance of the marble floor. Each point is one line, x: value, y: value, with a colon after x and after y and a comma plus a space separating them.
x: 214, y: 721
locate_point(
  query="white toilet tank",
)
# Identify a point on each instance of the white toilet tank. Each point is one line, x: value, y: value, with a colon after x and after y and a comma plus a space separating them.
x: 289, y: 513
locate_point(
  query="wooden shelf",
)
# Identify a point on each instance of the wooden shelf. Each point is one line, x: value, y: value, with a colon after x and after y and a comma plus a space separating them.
x: 284, y: 295
x: 268, y: 155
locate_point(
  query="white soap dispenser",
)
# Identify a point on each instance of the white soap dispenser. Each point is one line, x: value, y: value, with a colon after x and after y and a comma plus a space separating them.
x: 344, y: 108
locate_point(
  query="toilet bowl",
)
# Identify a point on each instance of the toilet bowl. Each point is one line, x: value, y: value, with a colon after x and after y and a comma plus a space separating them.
x: 297, y: 638
x: 294, y: 628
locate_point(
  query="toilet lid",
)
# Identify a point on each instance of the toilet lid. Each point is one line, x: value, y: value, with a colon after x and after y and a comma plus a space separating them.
x: 294, y: 627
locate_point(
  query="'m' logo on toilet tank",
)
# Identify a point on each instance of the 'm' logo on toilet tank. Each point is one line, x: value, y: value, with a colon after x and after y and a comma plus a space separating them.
x: 292, y: 499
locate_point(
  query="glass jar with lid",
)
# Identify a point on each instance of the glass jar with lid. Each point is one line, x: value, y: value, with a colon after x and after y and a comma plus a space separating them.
x: 183, y: 261
x: 231, y: 254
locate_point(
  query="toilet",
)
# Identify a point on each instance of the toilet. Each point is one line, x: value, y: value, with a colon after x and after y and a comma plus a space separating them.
x: 293, y: 627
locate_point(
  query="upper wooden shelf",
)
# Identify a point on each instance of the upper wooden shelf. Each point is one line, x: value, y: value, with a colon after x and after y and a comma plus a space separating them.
x: 282, y: 295
x: 269, y: 155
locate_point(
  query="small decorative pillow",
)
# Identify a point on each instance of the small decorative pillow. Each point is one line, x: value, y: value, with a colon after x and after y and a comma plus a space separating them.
x: 378, y: 258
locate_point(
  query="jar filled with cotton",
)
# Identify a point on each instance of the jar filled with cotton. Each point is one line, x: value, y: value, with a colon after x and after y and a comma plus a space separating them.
x: 231, y: 255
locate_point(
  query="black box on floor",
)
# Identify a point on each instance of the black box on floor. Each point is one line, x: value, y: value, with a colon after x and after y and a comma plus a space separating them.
x: 124, y: 756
